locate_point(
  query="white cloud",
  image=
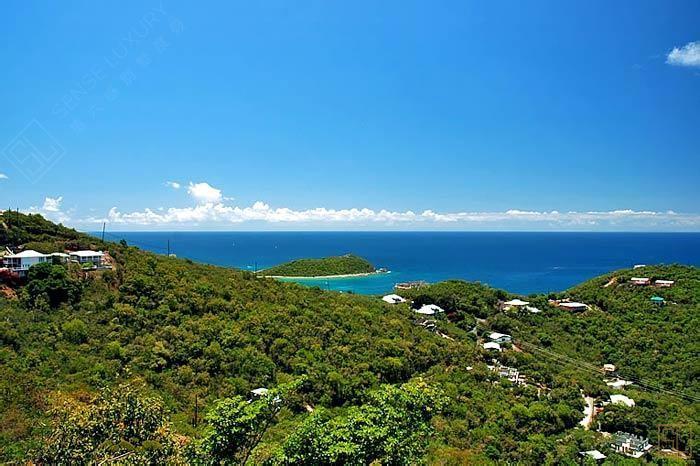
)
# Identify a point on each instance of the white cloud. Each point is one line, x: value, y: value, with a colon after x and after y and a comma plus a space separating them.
x: 688, y: 55
x: 3, y: 176
x: 173, y: 184
x: 52, y: 204
x: 51, y: 209
x: 221, y: 215
x: 204, y: 192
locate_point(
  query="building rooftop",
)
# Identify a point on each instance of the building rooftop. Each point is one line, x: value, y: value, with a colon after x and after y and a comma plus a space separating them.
x: 86, y: 253
x: 595, y: 454
x: 622, y: 400
x: 496, y: 335
x: 516, y: 302
x: 573, y: 305
x: 619, y: 383
x: 492, y: 346
x: 26, y: 254
x: 429, y: 309
x: 393, y: 299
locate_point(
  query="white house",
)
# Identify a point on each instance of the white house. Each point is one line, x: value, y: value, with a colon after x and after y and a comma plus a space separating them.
x: 393, y: 299
x: 429, y: 309
x: 500, y: 338
x: 664, y: 283
x: 492, y: 346
x: 83, y: 257
x: 622, y: 400
x: 640, y: 281
x: 594, y: 454
x: 630, y: 444
x: 533, y: 309
x: 516, y: 303
x: 20, y: 263
x: 618, y: 384
x: 573, y: 306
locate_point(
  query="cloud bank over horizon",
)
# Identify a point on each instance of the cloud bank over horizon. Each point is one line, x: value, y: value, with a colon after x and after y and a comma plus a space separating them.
x: 212, y: 210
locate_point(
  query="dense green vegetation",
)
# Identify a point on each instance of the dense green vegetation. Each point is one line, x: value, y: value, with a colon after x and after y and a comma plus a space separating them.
x: 154, y: 362
x: 654, y: 346
x: 327, y: 266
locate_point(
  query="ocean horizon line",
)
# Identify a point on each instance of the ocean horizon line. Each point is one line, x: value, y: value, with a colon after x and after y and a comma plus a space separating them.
x: 675, y: 232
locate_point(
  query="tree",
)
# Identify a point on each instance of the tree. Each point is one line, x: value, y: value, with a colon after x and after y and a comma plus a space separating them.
x: 123, y: 425
x: 393, y: 427
x: 236, y: 426
x: 75, y: 331
x: 51, y: 282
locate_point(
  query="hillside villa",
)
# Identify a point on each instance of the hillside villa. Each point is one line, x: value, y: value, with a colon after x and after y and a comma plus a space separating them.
x: 593, y: 454
x: 569, y: 305
x: 393, y: 299
x: 510, y: 373
x: 664, y: 283
x: 500, y: 338
x: 514, y: 303
x: 85, y: 257
x: 492, y: 346
x: 20, y: 263
x: 630, y: 445
x: 618, y: 383
x: 640, y: 281
x: 429, y: 309
x: 622, y: 400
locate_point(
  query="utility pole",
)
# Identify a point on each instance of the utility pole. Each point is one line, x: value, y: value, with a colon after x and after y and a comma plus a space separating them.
x: 103, y: 231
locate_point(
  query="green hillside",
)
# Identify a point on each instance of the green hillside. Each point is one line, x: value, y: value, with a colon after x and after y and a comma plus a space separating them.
x: 327, y: 266
x: 154, y: 362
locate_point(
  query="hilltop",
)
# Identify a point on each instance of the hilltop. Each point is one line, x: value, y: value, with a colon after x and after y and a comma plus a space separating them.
x: 156, y: 360
x: 334, y: 266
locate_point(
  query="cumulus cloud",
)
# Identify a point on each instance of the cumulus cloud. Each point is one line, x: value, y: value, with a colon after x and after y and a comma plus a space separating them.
x: 173, y: 184
x: 688, y: 55
x: 3, y: 176
x: 51, y: 209
x: 220, y: 214
x: 204, y: 192
x: 52, y: 204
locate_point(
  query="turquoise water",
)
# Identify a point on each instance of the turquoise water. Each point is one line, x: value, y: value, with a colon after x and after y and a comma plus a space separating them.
x: 519, y: 262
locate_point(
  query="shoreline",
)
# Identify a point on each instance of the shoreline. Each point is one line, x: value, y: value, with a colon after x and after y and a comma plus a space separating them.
x: 326, y: 277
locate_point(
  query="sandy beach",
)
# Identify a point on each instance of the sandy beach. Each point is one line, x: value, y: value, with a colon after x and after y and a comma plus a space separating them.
x: 327, y: 277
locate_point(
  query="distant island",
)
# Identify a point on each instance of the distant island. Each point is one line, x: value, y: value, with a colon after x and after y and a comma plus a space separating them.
x: 348, y: 265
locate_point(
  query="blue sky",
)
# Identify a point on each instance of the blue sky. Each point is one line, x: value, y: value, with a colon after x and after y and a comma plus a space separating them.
x: 353, y: 115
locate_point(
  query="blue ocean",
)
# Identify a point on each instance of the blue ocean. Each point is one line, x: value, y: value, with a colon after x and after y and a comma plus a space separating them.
x: 518, y: 262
